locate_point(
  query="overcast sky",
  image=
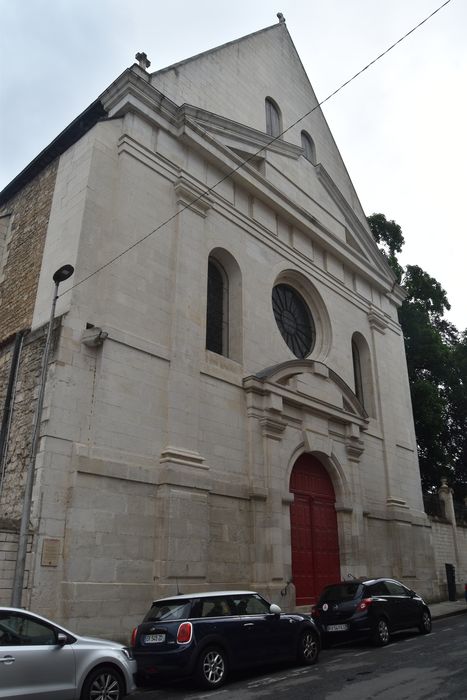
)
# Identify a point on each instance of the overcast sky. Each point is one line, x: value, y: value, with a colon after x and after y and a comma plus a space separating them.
x: 401, y: 126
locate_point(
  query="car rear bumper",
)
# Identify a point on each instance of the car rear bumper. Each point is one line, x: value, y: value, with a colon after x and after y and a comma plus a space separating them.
x: 355, y: 628
x: 176, y: 661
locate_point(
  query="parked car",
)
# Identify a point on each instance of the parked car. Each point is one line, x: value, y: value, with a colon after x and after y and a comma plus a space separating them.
x: 208, y: 634
x: 40, y: 659
x: 372, y: 608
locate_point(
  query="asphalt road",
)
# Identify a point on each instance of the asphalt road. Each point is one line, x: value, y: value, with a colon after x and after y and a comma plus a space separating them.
x: 411, y: 667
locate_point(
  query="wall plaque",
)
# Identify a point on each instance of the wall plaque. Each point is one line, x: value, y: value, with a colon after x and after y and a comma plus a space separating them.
x: 50, y: 552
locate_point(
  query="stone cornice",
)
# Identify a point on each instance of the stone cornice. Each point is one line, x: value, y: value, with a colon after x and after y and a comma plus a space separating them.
x: 240, y: 132
x: 364, y: 239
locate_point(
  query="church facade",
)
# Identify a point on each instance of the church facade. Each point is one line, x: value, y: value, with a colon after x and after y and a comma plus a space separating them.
x: 227, y: 403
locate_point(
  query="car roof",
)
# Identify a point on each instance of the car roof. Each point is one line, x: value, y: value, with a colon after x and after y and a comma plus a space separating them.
x: 203, y: 594
x: 365, y: 581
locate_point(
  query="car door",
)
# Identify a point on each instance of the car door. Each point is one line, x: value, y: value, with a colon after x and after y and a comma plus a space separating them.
x: 255, y: 637
x: 32, y: 665
x: 403, y: 608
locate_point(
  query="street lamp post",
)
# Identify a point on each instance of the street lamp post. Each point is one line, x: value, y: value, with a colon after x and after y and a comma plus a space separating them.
x: 62, y: 274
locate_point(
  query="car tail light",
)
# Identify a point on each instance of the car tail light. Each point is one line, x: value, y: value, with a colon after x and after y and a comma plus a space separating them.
x: 365, y: 603
x: 133, y: 637
x: 184, y: 633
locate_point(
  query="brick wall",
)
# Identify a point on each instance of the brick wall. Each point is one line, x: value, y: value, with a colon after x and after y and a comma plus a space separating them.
x: 25, y: 218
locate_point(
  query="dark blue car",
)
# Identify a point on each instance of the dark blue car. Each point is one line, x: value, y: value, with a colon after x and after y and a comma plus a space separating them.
x: 373, y: 608
x: 207, y: 634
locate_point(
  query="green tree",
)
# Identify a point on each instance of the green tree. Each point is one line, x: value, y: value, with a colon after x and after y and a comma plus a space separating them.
x: 437, y: 366
x: 388, y: 236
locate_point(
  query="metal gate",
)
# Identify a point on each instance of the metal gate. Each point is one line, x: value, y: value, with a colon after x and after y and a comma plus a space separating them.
x: 314, y: 538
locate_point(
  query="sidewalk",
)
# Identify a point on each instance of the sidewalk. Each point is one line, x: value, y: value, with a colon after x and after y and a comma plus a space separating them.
x: 447, y: 608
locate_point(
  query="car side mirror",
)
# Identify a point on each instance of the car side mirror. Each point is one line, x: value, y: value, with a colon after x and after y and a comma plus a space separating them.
x: 62, y: 639
x: 274, y: 609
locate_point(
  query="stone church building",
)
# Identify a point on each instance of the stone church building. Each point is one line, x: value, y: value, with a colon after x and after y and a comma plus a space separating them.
x: 227, y: 402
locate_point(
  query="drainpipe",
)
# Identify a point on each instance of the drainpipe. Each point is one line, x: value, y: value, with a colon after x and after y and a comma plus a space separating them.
x: 9, y: 401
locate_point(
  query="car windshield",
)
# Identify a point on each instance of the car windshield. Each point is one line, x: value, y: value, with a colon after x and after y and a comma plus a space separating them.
x: 164, y: 610
x: 341, y: 591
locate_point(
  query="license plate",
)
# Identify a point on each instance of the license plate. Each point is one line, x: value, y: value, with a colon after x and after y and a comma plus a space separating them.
x: 154, y: 638
x: 337, y: 628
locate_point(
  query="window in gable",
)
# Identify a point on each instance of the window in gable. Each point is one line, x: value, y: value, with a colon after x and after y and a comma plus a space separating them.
x: 308, y: 147
x: 273, y: 118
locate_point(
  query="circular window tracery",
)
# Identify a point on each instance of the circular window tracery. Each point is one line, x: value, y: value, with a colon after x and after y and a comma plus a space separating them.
x: 294, y: 320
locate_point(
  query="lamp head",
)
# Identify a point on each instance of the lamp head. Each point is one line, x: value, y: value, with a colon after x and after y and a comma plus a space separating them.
x: 63, y: 273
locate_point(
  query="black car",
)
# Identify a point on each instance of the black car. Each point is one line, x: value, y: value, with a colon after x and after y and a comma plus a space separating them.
x: 372, y: 608
x: 207, y: 634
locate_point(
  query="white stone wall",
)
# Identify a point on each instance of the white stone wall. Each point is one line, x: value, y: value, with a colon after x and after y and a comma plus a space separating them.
x: 449, y: 548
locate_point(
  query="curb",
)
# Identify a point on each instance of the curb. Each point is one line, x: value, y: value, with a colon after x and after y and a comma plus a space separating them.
x: 451, y: 613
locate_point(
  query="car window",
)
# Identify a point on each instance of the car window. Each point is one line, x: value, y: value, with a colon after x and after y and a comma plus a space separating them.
x: 395, y: 588
x: 19, y: 630
x: 214, y: 607
x: 341, y: 592
x: 165, y: 610
x: 378, y: 588
x: 250, y: 605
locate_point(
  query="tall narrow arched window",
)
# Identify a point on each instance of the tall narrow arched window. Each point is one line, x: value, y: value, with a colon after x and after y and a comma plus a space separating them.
x: 363, y: 374
x: 273, y: 118
x: 357, y: 373
x: 308, y: 147
x: 217, y: 309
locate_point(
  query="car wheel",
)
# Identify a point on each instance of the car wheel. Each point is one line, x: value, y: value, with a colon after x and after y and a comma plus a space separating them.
x: 103, y: 683
x: 425, y: 623
x: 211, y: 670
x: 308, y: 648
x: 381, y: 632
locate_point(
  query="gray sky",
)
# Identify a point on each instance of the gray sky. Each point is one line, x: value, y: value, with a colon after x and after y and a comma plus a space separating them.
x: 400, y: 127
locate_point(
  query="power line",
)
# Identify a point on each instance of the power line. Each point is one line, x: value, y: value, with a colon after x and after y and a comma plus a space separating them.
x: 254, y: 155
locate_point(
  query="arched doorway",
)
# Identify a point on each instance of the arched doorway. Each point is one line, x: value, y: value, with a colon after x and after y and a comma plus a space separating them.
x: 314, y: 538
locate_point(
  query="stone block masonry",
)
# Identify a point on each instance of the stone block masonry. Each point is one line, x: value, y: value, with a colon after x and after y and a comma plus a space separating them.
x: 27, y: 214
x: 19, y: 439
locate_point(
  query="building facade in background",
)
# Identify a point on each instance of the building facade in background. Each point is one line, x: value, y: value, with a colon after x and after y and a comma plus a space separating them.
x: 227, y: 403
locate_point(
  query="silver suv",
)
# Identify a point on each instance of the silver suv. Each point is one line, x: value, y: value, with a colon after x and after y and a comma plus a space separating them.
x: 39, y: 659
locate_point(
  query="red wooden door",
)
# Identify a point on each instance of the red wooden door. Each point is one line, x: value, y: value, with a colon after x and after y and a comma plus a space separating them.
x: 314, y: 538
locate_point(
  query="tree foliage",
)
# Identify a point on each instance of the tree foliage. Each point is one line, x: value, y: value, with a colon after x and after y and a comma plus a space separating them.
x: 437, y: 365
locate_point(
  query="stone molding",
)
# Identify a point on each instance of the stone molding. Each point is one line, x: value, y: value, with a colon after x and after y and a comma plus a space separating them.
x: 376, y: 320
x: 187, y: 458
x: 193, y: 197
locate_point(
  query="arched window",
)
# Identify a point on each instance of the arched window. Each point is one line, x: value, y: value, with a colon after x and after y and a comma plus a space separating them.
x: 357, y: 373
x: 273, y: 118
x: 309, y: 147
x: 224, y: 327
x: 217, y: 309
x: 363, y: 375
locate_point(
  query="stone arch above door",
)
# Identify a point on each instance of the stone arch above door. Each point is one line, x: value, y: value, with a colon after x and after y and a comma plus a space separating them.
x: 322, y: 397
x: 321, y: 449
